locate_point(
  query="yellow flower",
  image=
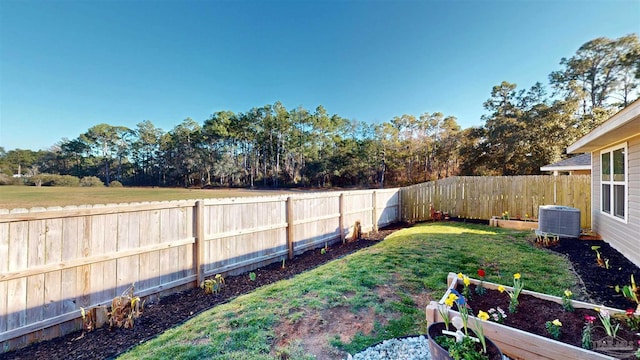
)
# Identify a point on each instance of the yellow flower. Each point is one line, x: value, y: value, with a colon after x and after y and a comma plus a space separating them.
x: 448, y: 302
x: 556, y: 322
x: 460, y: 276
x: 516, y: 276
x: 450, y: 299
x: 568, y: 293
x: 466, y: 281
x: 483, y: 315
x: 596, y: 309
x: 501, y: 288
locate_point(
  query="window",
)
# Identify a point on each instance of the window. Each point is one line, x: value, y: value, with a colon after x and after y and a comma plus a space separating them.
x: 613, y: 165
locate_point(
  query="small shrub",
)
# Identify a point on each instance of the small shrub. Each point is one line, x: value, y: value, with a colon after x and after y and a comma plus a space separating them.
x: 9, y: 180
x: 91, y: 181
x: 115, y: 183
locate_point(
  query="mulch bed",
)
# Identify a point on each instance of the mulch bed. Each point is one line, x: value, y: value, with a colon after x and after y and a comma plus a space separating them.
x: 600, y: 282
x: 175, y: 309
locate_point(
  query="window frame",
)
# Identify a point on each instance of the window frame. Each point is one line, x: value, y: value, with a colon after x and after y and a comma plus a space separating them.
x: 613, y: 183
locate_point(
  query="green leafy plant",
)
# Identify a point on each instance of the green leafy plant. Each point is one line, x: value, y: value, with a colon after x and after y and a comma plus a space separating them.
x: 465, y: 282
x: 252, y: 276
x: 554, y: 328
x: 515, y: 293
x: 482, y: 316
x: 605, y: 319
x: 324, y: 249
x: 480, y: 290
x: 599, y: 259
x: 631, y: 292
x: 213, y: 286
x: 567, y: 304
x: 631, y: 317
x: 463, y: 309
x: 586, y: 341
x: 443, y: 309
x: 505, y: 216
x: 463, y: 350
x: 497, y: 315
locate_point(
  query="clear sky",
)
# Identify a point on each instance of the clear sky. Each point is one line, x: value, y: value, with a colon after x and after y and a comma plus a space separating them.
x: 68, y: 65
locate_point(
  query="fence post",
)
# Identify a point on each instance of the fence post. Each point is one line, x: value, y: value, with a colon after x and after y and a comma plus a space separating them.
x: 341, y: 220
x: 290, y: 236
x: 399, y: 194
x: 374, y: 211
x: 198, y: 246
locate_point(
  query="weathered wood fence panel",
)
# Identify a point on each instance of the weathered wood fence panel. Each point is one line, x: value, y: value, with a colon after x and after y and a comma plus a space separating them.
x: 54, y: 261
x: 488, y: 196
x: 240, y: 232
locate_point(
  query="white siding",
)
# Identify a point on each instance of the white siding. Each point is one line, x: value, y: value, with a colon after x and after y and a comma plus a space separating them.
x: 623, y: 237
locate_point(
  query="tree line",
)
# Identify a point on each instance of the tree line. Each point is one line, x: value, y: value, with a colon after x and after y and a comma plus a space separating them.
x: 272, y: 146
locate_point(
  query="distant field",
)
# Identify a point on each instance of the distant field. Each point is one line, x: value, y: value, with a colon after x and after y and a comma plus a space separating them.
x: 12, y: 197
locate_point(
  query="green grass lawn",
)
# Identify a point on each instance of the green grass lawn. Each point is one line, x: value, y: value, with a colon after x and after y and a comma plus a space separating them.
x: 30, y: 196
x: 392, y: 281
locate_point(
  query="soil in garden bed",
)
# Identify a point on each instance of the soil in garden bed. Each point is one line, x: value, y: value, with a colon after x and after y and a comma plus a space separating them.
x: 533, y: 313
x: 175, y: 309
x: 600, y: 282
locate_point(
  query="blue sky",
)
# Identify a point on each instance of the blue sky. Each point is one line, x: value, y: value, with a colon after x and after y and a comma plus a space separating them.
x: 68, y: 65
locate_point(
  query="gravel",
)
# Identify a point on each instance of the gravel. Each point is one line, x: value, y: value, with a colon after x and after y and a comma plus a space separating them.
x: 409, y: 348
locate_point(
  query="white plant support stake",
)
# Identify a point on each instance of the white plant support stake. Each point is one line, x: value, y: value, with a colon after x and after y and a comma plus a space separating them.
x: 457, y: 322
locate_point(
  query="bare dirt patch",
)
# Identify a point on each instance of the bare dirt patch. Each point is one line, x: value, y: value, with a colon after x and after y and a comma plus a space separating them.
x: 317, y: 328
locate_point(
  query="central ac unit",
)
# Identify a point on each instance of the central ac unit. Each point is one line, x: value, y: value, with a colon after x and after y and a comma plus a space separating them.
x: 563, y: 221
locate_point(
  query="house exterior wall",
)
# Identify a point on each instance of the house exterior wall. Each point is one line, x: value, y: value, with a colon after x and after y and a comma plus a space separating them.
x: 624, y: 237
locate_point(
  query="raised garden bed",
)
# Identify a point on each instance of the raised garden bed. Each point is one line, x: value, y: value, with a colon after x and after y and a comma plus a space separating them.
x: 521, y: 344
x: 513, y: 224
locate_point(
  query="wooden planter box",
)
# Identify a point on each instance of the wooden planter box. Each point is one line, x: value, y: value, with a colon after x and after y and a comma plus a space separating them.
x: 518, y: 344
x: 513, y: 224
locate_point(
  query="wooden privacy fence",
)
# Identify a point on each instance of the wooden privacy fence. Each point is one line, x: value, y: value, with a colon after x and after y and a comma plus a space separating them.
x: 472, y: 197
x: 54, y: 261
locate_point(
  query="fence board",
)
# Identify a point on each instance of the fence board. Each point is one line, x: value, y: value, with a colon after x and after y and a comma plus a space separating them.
x: 97, y: 248
x: 17, y: 289
x: 53, y: 279
x: 4, y: 266
x: 35, y: 284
